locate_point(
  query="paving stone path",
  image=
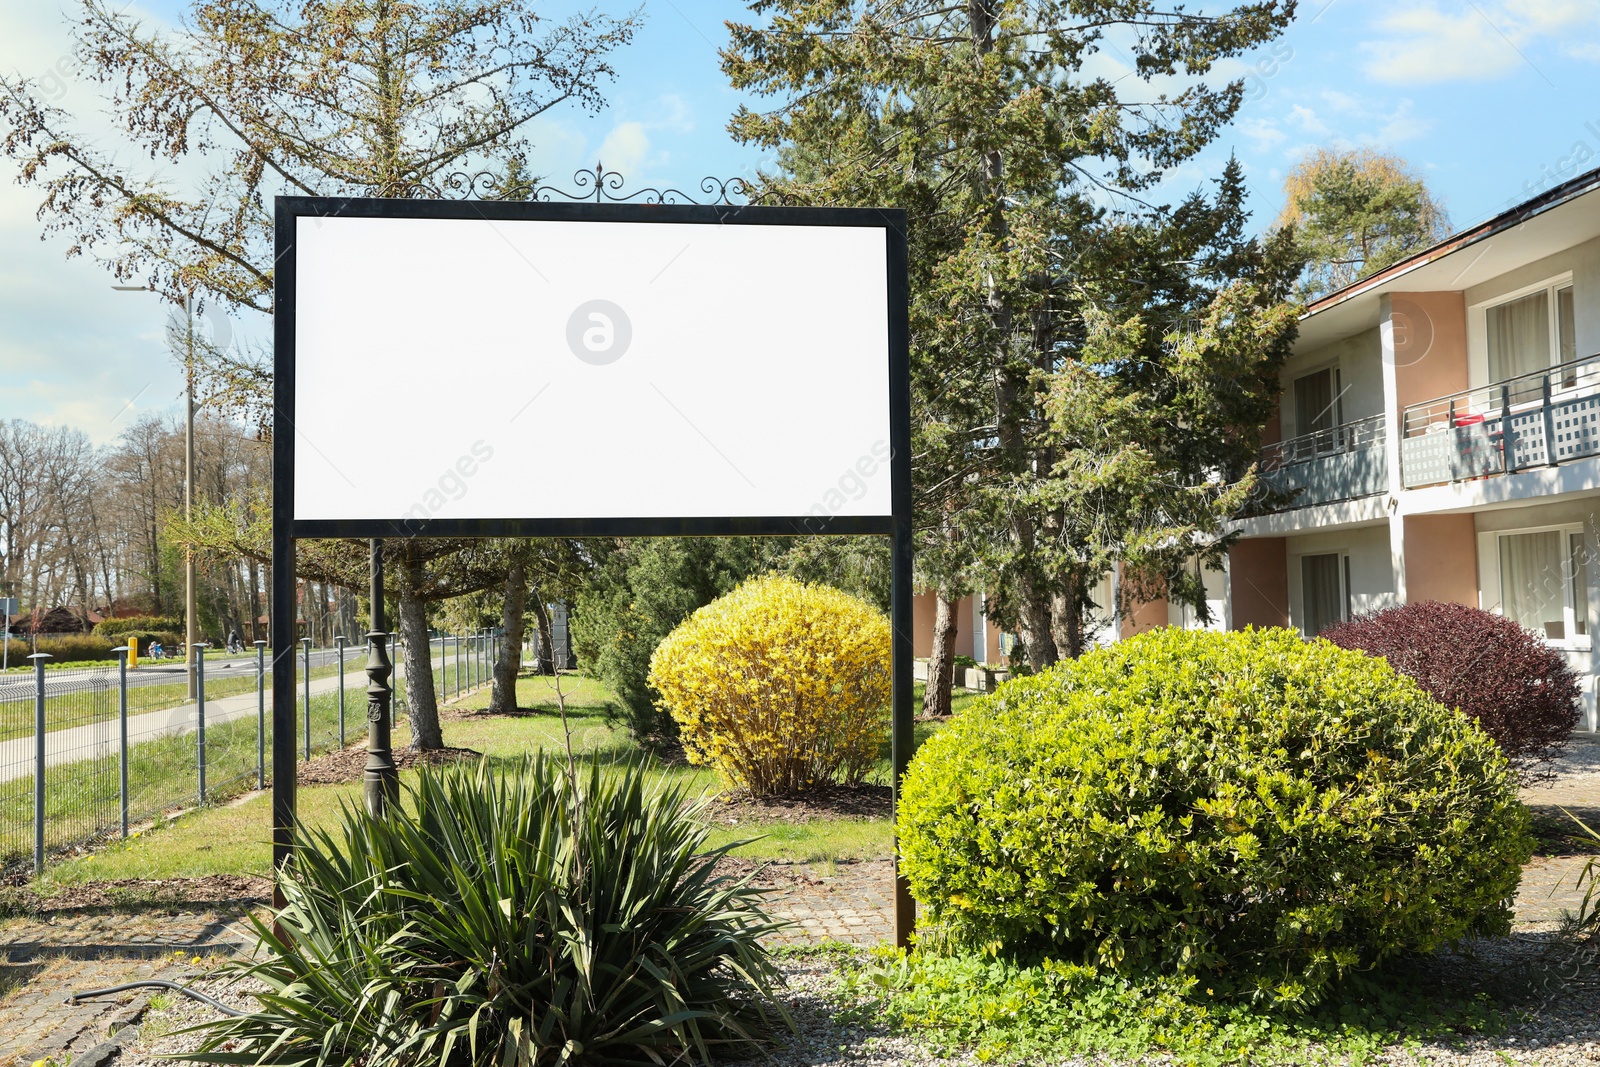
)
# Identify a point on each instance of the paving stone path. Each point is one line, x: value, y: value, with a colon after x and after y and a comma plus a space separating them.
x: 44, y: 960
x: 1550, y: 885
x: 853, y: 902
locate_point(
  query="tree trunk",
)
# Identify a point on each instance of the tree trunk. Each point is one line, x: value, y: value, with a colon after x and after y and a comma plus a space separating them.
x: 547, y: 648
x: 1066, y: 621
x: 503, y: 699
x: 941, y: 664
x: 420, y: 703
x: 1033, y: 619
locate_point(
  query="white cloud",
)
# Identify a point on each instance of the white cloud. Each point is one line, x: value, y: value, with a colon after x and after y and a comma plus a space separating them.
x: 1422, y: 44
x: 1402, y: 125
x: 1340, y: 102
x: 1307, y: 120
x: 626, y: 148
x: 1264, y: 132
x: 1348, y: 120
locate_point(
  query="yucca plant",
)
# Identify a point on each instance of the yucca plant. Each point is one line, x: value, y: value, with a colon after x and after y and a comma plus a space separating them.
x: 514, y: 917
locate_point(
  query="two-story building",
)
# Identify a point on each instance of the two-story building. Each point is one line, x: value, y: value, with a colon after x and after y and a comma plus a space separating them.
x: 1440, y: 429
x: 1440, y: 425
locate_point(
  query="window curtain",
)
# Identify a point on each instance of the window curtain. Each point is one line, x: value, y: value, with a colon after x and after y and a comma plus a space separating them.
x: 1578, y: 568
x: 1314, y: 403
x: 1531, y: 576
x: 1519, y: 337
x: 1321, y: 591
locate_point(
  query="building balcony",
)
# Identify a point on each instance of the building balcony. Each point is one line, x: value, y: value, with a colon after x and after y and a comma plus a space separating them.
x: 1343, y: 462
x: 1535, y: 420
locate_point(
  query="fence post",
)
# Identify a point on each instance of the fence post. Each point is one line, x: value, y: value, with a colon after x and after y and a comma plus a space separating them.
x: 261, y: 714
x: 38, y: 760
x: 200, y: 709
x: 122, y: 732
x: 459, y: 651
x: 306, y: 642
x: 339, y: 643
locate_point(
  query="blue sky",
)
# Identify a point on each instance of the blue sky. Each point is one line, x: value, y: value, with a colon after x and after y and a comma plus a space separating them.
x: 1491, y: 100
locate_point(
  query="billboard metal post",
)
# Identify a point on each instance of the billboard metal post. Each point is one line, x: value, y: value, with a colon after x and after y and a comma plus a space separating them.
x: 283, y: 548
x: 810, y: 465
x: 902, y: 726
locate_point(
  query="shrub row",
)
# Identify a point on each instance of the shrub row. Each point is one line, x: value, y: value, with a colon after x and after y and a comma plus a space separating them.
x: 139, y: 623
x: 89, y: 648
x: 77, y: 648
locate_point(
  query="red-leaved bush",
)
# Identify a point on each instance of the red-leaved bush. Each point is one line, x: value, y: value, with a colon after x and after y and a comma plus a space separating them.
x: 1518, y: 688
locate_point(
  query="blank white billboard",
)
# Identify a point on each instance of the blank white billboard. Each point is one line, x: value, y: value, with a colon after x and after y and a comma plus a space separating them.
x: 566, y: 369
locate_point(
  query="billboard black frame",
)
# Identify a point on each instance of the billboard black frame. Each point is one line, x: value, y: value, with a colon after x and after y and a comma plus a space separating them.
x: 286, y: 530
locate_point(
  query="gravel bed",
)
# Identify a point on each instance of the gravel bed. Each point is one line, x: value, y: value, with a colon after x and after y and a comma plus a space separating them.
x: 1565, y: 1030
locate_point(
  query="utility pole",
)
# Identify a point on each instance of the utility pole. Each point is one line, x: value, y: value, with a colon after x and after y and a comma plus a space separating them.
x: 190, y: 622
x: 191, y: 626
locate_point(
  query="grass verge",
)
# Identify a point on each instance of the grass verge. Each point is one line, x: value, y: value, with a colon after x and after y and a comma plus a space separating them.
x: 236, y: 839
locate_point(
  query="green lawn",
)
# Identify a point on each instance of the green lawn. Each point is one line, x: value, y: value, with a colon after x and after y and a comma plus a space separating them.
x: 236, y: 839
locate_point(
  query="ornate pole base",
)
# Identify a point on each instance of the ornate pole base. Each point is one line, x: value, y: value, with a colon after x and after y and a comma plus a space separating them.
x: 380, y: 782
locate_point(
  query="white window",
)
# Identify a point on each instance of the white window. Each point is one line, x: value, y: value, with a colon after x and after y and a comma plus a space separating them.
x: 1324, y: 591
x: 1544, y: 583
x: 1531, y: 332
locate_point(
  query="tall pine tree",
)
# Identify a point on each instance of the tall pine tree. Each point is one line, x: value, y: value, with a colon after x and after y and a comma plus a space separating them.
x: 1090, y: 372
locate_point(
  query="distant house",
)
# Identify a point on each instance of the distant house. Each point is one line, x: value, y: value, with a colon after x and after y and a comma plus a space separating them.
x: 61, y: 620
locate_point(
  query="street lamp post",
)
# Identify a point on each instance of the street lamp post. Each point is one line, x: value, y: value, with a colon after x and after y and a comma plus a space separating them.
x: 380, y: 781
x: 190, y: 623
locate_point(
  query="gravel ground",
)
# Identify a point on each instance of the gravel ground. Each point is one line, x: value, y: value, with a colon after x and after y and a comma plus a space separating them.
x: 1563, y: 1030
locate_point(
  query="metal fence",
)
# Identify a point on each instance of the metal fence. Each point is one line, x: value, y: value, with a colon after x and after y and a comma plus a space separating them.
x: 119, y: 747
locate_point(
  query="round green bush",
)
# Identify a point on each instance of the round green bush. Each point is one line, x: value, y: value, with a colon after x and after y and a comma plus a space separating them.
x: 1256, y: 811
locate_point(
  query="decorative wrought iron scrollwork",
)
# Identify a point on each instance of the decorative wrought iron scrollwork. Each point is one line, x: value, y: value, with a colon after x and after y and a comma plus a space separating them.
x: 598, y: 185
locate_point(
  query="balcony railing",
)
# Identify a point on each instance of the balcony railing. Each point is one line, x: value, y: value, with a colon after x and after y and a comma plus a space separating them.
x: 1344, y: 462
x: 1534, y: 420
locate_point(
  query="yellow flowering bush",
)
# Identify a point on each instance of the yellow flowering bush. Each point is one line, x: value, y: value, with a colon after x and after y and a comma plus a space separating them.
x: 780, y: 686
